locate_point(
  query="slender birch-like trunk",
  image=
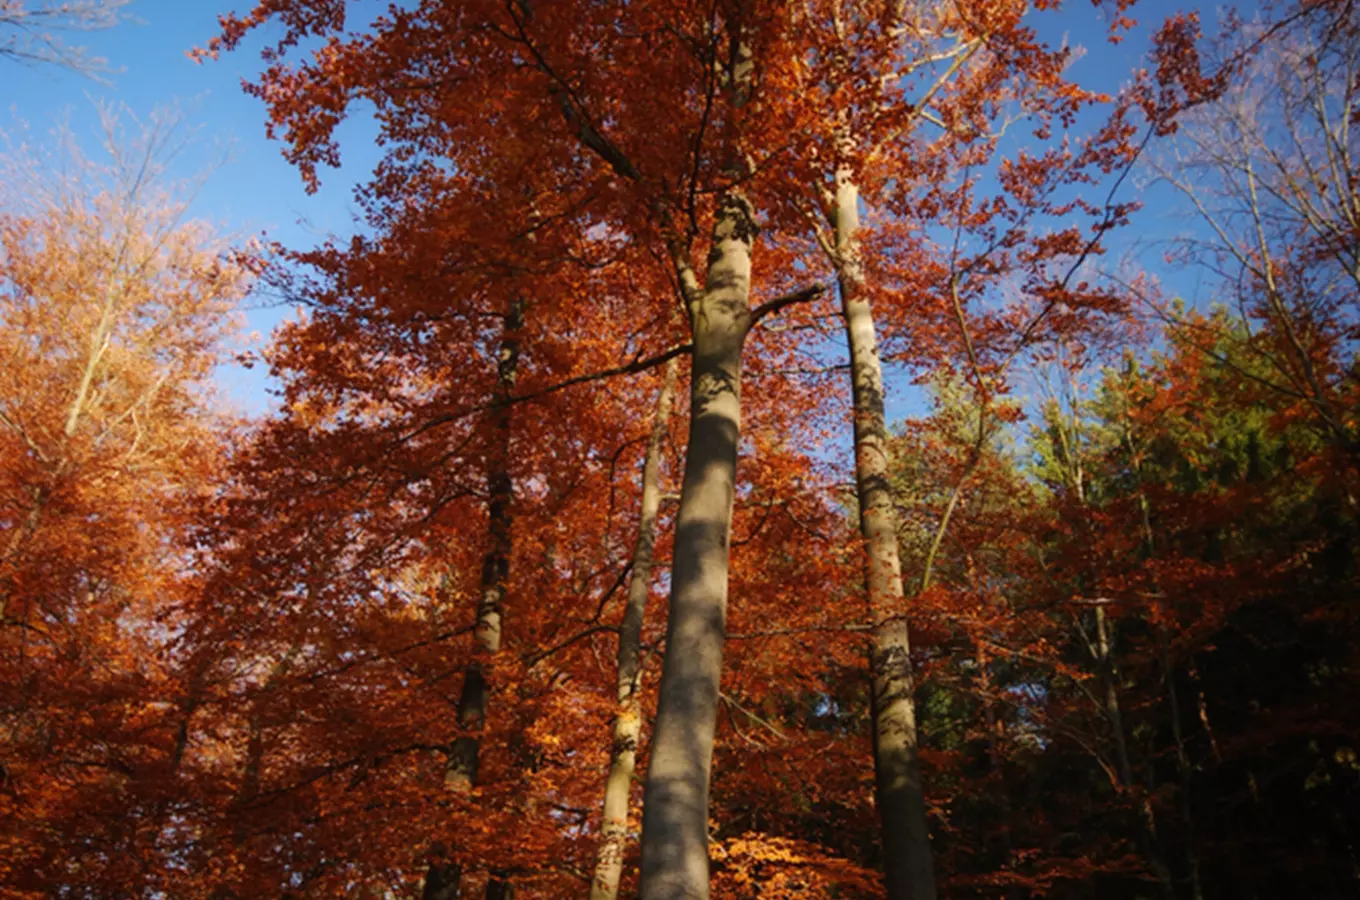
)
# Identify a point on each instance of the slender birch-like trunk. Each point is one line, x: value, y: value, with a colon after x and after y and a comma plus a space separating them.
x: 460, y: 772
x: 908, y: 867
x: 1108, y: 671
x: 628, y: 719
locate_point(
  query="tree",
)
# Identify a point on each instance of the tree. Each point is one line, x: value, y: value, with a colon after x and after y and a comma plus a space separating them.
x: 628, y: 719
x: 915, y: 100
x: 707, y: 64
x: 1266, y: 169
x: 31, y: 32
x: 668, y: 125
x: 371, y: 643
x: 114, y: 310
x: 1166, y: 572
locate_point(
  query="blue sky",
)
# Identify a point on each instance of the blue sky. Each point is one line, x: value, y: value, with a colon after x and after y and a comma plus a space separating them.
x: 257, y: 191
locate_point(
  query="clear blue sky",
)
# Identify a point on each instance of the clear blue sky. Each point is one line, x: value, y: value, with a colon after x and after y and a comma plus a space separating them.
x: 258, y: 191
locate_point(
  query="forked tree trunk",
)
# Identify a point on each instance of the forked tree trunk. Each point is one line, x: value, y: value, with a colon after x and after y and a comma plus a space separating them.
x: 908, y: 868
x: 628, y: 719
x: 460, y: 772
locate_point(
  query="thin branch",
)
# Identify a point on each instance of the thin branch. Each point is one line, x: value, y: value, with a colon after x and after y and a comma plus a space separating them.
x: 637, y: 365
x: 770, y: 307
x: 534, y: 659
x: 773, y: 729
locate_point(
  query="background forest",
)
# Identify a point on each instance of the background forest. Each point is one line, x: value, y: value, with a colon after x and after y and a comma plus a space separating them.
x: 729, y: 448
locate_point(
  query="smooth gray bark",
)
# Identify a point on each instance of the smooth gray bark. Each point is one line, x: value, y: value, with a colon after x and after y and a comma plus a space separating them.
x: 675, y: 802
x: 675, y: 806
x: 907, y: 862
x: 628, y: 719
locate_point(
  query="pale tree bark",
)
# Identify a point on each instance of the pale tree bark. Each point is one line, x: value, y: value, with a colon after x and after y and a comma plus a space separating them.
x: 908, y: 866
x: 1105, y: 664
x: 628, y: 719
x: 675, y: 801
x: 675, y: 806
x: 442, y: 881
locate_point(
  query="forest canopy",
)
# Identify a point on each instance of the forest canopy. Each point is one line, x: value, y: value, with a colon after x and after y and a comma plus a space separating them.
x: 732, y: 449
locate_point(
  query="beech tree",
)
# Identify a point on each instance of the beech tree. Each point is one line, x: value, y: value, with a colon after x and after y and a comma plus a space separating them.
x: 114, y: 309
x: 396, y: 637
x: 628, y: 719
x: 916, y: 99
x: 711, y: 70
x: 654, y: 164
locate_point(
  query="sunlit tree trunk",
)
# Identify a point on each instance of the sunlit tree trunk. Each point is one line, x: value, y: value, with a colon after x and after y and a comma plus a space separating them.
x: 675, y: 802
x: 908, y: 868
x: 628, y: 719
x: 675, y: 808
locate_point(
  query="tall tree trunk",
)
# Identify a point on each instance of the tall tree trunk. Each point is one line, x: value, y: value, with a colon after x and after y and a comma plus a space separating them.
x: 1108, y: 671
x: 675, y: 806
x: 628, y: 720
x: 1109, y: 682
x: 675, y: 802
x: 460, y: 772
x: 250, y: 778
x: 1168, y: 673
x: 908, y: 868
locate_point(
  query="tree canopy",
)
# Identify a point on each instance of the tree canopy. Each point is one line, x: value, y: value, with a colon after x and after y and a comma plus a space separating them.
x: 588, y: 549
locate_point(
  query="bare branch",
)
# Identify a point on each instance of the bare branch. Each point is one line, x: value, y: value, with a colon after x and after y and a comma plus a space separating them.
x: 30, y: 33
x: 769, y: 307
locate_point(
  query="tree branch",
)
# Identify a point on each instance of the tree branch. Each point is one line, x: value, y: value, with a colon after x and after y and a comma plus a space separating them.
x: 637, y: 365
x: 769, y: 307
x: 534, y: 659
